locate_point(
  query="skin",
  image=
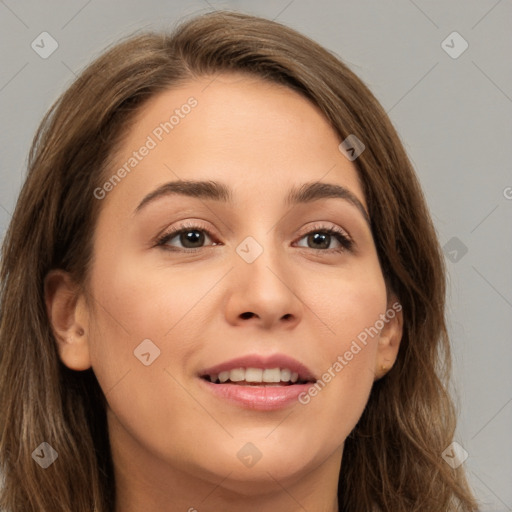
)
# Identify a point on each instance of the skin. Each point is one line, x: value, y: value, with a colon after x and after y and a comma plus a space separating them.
x: 174, y: 444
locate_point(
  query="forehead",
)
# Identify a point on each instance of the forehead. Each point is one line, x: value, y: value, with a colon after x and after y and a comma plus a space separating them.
x: 259, y: 136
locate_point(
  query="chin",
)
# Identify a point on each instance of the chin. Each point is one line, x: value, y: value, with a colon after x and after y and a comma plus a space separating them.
x: 258, y: 467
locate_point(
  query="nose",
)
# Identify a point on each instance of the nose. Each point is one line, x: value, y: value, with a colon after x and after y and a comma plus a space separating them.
x: 262, y: 292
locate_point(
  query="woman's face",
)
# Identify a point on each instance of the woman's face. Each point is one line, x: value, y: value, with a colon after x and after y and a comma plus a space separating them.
x: 253, y: 277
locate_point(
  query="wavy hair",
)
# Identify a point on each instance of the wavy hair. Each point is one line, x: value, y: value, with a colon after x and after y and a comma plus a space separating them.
x: 392, y: 459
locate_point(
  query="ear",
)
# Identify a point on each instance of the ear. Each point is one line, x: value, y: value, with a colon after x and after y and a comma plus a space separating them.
x: 68, y: 316
x: 389, y: 338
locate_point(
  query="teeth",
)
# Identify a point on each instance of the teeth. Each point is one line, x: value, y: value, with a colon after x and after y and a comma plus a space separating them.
x: 237, y: 375
x: 269, y: 375
x: 253, y: 375
x: 286, y: 374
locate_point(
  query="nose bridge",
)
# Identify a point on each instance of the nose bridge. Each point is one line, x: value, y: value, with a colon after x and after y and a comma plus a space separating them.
x: 263, y: 276
x: 258, y: 253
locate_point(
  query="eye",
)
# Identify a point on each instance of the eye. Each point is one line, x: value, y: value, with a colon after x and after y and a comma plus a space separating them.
x: 192, y: 237
x: 321, y: 237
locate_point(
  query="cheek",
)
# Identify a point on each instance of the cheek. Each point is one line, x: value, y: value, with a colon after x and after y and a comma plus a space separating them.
x: 347, y: 303
x: 137, y: 313
x: 350, y: 308
x: 145, y: 297
x: 142, y: 339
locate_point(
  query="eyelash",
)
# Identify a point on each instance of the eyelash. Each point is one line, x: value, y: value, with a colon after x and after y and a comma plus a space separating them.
x: 345, y: 241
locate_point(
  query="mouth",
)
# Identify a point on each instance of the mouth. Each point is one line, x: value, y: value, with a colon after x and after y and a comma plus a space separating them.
x: 261, y: 377
x: 257, y: 382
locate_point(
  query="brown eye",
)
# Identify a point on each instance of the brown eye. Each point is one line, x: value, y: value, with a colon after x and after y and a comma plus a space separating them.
x: 321, y: 238
x: 189, y: 237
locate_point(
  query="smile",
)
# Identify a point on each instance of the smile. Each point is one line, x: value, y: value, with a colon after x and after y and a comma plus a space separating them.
x: 256, y: 376
x: 258, y: 382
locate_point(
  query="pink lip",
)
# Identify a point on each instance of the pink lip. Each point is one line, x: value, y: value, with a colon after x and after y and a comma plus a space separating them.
x: 264, y: 398
x: 259, y: 397
x: 264, y: 362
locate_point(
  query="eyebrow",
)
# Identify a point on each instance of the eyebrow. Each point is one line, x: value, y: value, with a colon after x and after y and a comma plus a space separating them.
x: 216, y: 191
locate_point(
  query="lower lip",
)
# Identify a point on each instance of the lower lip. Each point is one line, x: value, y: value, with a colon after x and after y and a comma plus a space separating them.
x: 262, y: 398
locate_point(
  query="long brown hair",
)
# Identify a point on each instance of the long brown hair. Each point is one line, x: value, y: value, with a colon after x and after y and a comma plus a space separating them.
x: 392, y: 459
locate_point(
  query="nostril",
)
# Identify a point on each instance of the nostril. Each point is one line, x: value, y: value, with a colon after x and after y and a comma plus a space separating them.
x: 248, y: 314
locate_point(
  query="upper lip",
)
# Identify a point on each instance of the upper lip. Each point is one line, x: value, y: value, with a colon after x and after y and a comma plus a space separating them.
x: 264, y: 362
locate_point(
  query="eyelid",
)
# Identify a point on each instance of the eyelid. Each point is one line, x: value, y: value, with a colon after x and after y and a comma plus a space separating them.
x: 325, y: 226
x: 188, y: 225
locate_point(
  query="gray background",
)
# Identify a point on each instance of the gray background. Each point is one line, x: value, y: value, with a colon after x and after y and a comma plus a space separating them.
x: 454, y: 118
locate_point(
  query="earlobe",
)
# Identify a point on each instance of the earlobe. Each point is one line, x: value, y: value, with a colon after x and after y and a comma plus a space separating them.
x: 389, y: 338
x: 67, y: 314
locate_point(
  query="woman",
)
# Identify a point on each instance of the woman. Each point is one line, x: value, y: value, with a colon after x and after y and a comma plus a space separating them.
x: 222, y: 290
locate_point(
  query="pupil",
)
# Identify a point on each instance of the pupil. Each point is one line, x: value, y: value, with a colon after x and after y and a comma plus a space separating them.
x: 192, y: 237
x: 322, y: 237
